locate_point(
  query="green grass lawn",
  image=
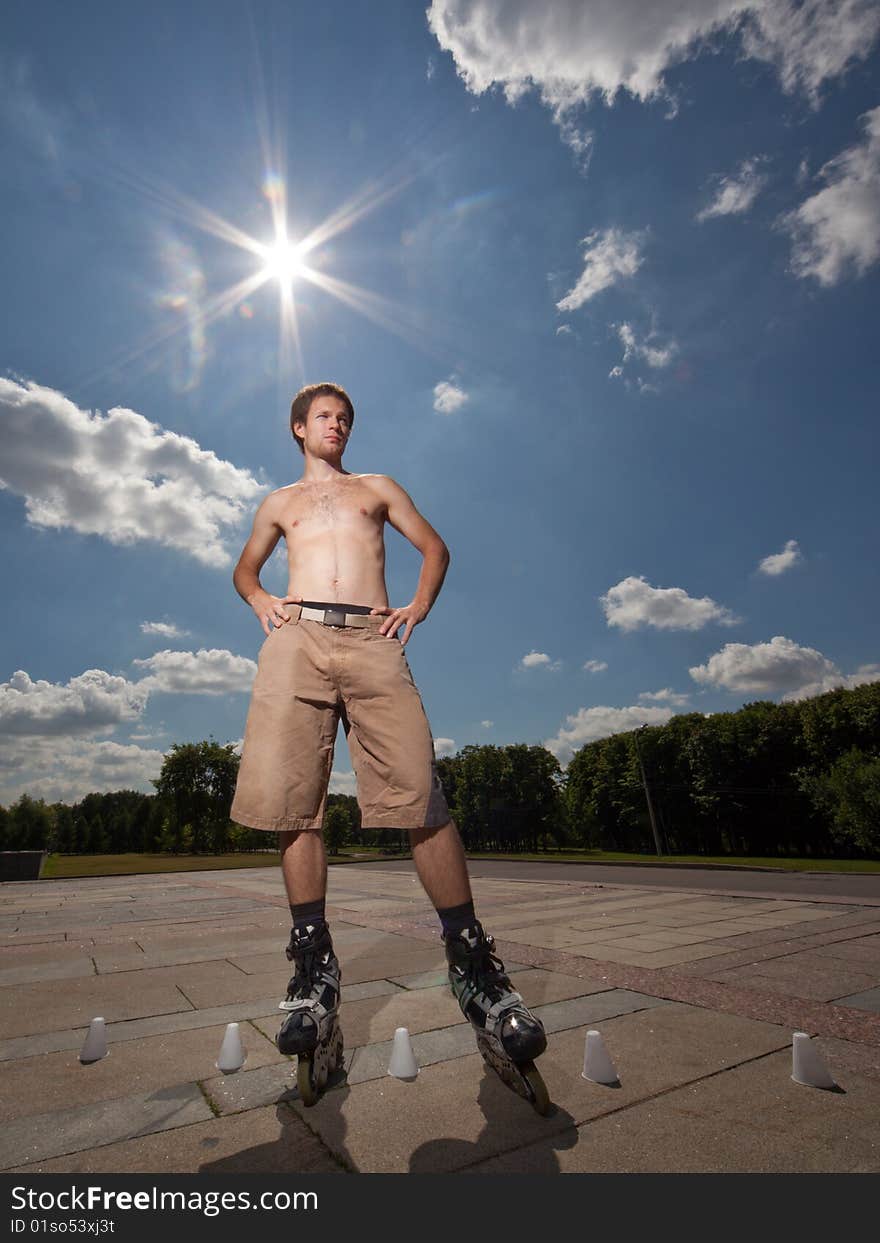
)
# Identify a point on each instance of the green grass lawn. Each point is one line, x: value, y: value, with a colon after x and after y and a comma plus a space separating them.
x: 61, y: 866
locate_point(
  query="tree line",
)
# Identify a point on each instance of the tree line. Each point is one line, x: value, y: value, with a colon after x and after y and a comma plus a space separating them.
x: 767, y: 780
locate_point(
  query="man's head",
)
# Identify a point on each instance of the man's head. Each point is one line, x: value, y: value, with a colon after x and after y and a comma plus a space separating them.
x: 322, y: 415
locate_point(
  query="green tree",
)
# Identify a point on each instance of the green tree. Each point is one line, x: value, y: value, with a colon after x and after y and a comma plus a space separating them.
x: 196, y: 785
x: 336, y: 827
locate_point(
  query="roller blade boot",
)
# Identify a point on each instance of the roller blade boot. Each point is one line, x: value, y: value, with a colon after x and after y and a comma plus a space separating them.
x: 311, y: 1029
x: 509, y: 1037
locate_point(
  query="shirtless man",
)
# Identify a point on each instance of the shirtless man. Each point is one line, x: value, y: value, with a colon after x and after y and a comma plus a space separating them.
x: 336, y: 655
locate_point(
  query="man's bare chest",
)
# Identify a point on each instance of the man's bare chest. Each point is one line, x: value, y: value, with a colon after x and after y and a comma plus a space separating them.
x: 350, y: 507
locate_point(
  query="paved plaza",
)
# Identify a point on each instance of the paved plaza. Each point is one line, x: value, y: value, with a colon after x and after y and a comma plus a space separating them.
x: 696, y: 995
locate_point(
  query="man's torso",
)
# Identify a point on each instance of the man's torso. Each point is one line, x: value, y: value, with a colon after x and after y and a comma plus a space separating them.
x: 335, y: 540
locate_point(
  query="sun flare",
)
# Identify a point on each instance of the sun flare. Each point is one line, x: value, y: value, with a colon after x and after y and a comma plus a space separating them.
x: 282, y: 261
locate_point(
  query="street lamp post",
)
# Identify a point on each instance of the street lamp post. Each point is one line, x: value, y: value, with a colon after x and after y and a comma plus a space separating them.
x: 648, y: 794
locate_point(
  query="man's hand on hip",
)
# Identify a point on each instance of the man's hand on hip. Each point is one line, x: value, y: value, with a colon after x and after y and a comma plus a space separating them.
x: 411, y: 614
x: 269, y: 608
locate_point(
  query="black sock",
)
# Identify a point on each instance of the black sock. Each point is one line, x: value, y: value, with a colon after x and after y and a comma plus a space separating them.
x: 306, y: 913
x: 456, y: 918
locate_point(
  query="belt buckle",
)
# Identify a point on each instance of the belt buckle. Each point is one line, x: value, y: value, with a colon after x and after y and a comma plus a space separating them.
x: 334, y: 617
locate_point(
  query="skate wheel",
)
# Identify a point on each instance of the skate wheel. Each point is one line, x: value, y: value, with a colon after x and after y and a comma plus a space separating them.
x: 338, y: 1051
x: 538, y: 1094
x: 305, y: 1080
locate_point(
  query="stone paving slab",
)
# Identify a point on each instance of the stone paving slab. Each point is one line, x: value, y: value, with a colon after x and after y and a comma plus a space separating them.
x: 87, y: 1126
x: 58, y: 1081
x: 458, y: 1112
x: 633, y: 968
x: 868, y: 1000
x: 751, y: 1119
x: 262, y: 1141
x: 188, y: 1020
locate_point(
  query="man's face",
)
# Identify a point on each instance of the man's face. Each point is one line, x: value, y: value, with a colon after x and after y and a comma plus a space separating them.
x: 327, y: 427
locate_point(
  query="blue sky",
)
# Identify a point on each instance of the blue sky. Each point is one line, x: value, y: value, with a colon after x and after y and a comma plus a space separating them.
x: 610, y: 298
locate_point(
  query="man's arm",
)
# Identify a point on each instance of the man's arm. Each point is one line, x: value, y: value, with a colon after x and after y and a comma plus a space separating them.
x: 405, y: 518
x: 266, y: 533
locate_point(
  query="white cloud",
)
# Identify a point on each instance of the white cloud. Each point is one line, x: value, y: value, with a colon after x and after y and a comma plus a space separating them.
x: 634, y: 603
x: 539, y: 660
x: 487, y: 724
x: 778, y: 667
x: 655, y: 356
x: 594, y: 666
x: 93, y: 702
x: 574, y: 50
x: 443, y: 747
x: 565, y: 330
x: 838, y: 228
x: 810, y: 42
x: 448, y: 397
x: 205, y: 672
x: 589, y: 724
x: 342, y: 783
x: 167, y: 630
x: 608, y: 257
x: 64, y: 769
x: 118, y: 476
x: 778, y: 562
x: 735, y: 195
x: 615, y: 373
x: 667, y: 695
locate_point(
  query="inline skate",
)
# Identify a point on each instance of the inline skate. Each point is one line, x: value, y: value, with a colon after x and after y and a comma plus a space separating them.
x: 509, y: 1037
x: 311, y: 1029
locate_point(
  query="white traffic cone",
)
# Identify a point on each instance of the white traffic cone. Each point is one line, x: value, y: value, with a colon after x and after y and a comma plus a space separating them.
x: 95, y: 1043
x: 403, y: 1064
x: 598, y: 1066
x: 232, y: 1054
x: 807, y: 1064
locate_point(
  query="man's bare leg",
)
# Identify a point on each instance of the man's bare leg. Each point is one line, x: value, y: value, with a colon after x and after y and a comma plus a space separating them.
x: 303, y: 865
x: 441, y: 865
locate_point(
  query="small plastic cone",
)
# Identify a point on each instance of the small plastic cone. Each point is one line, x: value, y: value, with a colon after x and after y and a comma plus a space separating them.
x: 232, y: 1053
x: 598, y: 1066
x: 95, y: 1043
x: 403, y: 1064
x: 807, y: 1064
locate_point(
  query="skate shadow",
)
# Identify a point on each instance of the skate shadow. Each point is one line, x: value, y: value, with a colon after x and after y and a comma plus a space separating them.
x: 298, y: 1148
x: 446, y: 1156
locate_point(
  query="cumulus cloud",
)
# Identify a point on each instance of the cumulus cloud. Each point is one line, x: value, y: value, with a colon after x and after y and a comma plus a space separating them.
x: 837, y: 229
x: 342, y: 783
x: 609, y: 256
x: 578, y: 50
x: 667, y: 695
x: 65, y: 769
x: 167, y: 630
x: 778, y: 562
x: 539, y: 660
x: 589, y: 724
x: 778, y: 667
x: 634, y: 603
x: 93, y: 702
x: 443, y: 747
x: 487, y: 724
x: 594, y: 666
x: 734, y: 195
x: 449, y: 397
x: 214, y: 671
x: 118, y: 476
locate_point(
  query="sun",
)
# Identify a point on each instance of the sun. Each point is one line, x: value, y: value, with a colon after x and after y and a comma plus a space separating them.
x: 282, y: 261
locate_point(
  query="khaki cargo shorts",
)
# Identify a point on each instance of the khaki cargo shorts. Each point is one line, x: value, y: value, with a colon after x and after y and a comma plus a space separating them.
x: 309, y: 677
